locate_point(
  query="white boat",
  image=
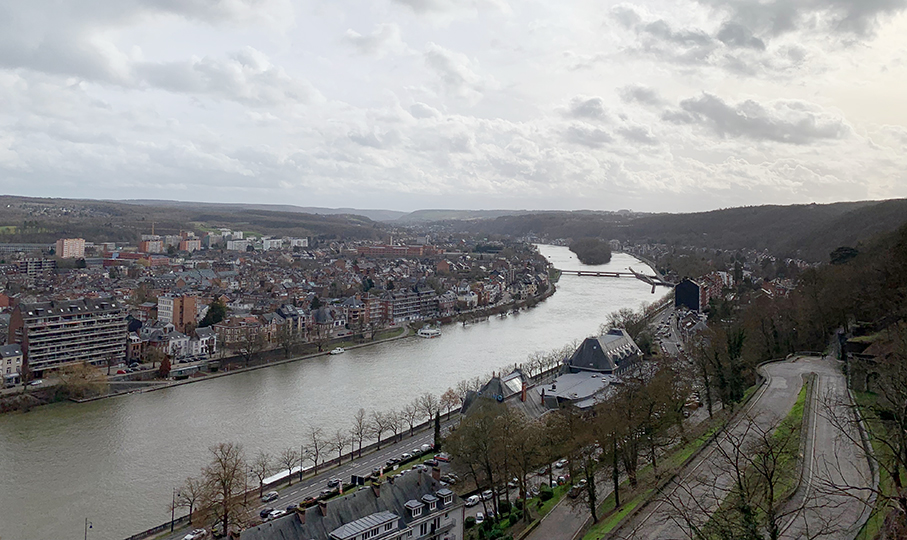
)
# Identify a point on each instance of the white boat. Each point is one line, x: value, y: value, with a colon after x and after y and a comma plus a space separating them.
x: 338, y: 350
x: 428, y: 332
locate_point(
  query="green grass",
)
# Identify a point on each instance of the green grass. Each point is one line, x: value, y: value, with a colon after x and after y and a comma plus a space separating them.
x: 876, y: 520
x: 8, y: 229
x: 606, y: 525
x: 385, y: 334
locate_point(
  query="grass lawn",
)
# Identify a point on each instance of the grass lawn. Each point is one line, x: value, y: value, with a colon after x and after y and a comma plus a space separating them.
x: 604, y: 526
x: 384, y: 334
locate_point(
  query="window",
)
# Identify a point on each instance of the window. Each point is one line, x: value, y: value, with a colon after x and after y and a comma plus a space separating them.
x: 416, y: 511
x: 423, y: 529
x: 389, y: 526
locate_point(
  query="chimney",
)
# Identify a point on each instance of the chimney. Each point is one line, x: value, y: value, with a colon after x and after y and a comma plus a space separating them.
x: 543, y: 396
x: 436, y: 473
x: 419, y: 477
x: 523, y: 394
x: 300, y: 514
x: 323, y: 506
x: 376, y: 488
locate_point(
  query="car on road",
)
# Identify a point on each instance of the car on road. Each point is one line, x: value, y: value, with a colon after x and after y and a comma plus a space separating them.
x: 405, y: 456
x: 291, y: 508
x: 326, y: 492
x: 274, y: 514
x: 196, y: 534
x: 333, y: 482
x: 391, y: 462
x: 121, y: 372
x: 473, y: 500
x: 376, y: 471
x: 480, y: 517
x: 36, y: 382
x: 561, y: 463
x: 415, y: 452
x: 487, y: 495
x: 269, y: 496
x: 543, y: 471
x: 430, y: 462
x: 426, y: 448
x: 514, y: 483
x: 263, y: 513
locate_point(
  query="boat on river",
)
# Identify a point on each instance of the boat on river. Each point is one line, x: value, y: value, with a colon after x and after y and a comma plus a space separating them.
x: 428, y: 332
x: 338, y: 350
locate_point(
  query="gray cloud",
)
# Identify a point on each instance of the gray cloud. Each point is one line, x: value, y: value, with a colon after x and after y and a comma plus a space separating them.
x: 777, y: 17
x: 637, y: 134
x: 589, y: 108
x: 793, y: 122
x: 736, y: 35
x: 639, y: 94
x: 587, y: 135
x: 386, y: 38
x: 455, y: 72
x: 421, y: 110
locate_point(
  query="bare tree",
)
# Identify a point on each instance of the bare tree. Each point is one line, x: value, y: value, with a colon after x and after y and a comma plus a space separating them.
x: 261, y: 469
x: 191, y: 492
x: 250, y: 344
x: 287, y: 338
x: 289, y: 457
x: 315, y: 446
x: 395, y: 423
x: 226, y: 479
x: 428, y: 405
x: 410, y: 414
x: 339, y: 441
x: 360, y: 429
x: 449, y: 400
x: 380, y: 424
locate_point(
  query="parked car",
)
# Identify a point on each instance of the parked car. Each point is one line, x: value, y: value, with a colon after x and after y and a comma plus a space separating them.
x: 487, y: 495
x: 443, y: 456
x: 291, y: 508
x: 430, y: 462
x: 514, y: 483
x: 333, y: 482
x: 480, y: 517
x: 560, y: 464
x: 326, y: 492
x: 121, y: 372
x: 274, y: 514
x: 473, y: 500
x: 391, y: 462
x: 415, y: 452
x: 269, y: 496
x: 36, y: 382
x: 196, y: 534
x: 264, y: 512
x: 405, y: 456
x: 427, y: 447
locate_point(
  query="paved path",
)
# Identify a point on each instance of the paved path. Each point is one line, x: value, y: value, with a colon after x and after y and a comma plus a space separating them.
x: 700, y: 487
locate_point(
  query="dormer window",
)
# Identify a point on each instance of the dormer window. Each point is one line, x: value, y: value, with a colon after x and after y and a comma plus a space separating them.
x: 414, y: 507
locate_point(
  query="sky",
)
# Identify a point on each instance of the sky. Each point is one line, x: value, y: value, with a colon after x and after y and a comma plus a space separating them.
x: 667, y: 106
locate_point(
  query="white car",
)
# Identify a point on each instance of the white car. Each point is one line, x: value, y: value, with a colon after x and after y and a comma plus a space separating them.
x: 36, y: 382
x: 473, y: 500
x: 270, y: 496
x: 196, y: 534
x: 480, y: 517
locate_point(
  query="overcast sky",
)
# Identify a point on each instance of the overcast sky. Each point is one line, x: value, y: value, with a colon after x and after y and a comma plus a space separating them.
x: 404, y: 104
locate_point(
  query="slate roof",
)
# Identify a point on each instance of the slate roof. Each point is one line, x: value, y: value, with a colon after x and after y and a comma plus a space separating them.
x: 605, y: 353
x: 355, y: 506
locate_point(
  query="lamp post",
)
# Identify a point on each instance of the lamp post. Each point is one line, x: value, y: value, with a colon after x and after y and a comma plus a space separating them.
x: 173, y: 509
x: 88, y: 525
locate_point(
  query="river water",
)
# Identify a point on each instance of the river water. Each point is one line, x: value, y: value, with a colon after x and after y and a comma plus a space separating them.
x: 115, y: 461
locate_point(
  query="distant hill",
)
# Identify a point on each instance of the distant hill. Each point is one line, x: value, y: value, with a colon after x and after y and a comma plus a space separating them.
x: 808, y: 231
x: 426, y: 216
x: 32, y: 219
x: 374, y: 215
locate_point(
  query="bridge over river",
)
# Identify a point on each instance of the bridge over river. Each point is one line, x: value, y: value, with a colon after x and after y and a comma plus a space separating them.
x: 653, y: 280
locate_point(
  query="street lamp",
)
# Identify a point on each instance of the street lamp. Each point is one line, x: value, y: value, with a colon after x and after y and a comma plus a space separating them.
x: 173, y: 508
x: 88, y: 525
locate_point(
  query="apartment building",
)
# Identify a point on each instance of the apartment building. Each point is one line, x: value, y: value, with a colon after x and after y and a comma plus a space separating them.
x: 177, y: 309
x: 57, y: 333
x: 70, y: 248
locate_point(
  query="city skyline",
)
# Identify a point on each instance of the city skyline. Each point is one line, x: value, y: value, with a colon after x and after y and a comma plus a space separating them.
x: 487, y: 104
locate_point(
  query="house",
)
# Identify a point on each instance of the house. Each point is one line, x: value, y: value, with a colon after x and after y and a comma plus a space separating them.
x: 414, y: 506
x: 688, y: 294
x: 11, y: 365
x: 514, y: 390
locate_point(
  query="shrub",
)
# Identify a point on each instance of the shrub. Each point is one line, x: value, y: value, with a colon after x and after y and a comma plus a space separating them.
x: 504, y: 507
x: 546, y: 494
x: 470, y: 522
x: 518, y: 503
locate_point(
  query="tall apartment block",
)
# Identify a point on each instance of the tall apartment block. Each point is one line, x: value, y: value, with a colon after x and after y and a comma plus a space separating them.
x: 177, y: 310
x: 70, y: 248
x: 57, y: 333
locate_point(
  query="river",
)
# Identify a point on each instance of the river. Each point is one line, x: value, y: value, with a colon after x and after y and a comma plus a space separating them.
x: 115, y: 461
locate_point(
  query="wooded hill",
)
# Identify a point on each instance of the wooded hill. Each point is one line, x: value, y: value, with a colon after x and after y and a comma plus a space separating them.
x: 809, y: 232
x: 39, y: 220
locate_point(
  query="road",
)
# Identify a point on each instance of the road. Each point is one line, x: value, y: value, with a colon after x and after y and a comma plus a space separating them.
x: 701, y: 486
x: 312, y: 486
x: 833, y: 460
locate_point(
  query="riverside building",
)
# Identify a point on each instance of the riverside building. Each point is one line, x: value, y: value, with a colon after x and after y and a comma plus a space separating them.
x: 57, y: 333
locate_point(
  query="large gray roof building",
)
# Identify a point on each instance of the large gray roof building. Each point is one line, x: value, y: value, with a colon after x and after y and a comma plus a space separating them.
x: 414, y: 506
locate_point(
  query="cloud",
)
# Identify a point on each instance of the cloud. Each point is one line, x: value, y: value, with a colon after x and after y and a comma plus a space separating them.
x: 429, y: 6
x: 591, y: 108
x: 587, y: 135
x: 247, y: 77
x: 385, y: 39
x: 637, y: 134
x: 421, y: 110
x: 786, y: 121
x: 455, y: 72
x: 636, y: 93
x: 777, y: 17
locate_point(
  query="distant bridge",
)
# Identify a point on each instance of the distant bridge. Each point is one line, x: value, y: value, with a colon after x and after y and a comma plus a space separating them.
x: 651, y: 280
